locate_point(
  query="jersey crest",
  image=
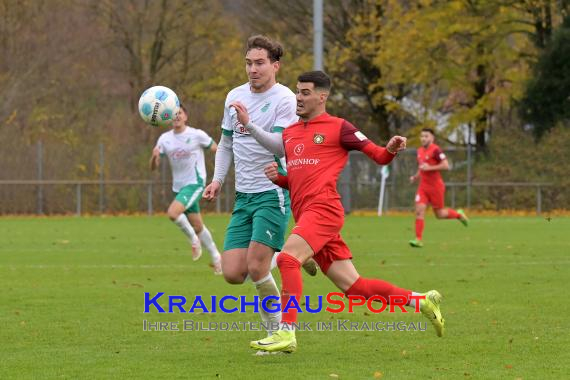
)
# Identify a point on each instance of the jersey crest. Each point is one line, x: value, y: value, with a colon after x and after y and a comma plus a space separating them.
x: 318, y: 138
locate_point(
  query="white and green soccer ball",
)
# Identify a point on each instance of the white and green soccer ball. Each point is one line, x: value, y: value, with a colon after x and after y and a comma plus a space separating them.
x: 158, y: 106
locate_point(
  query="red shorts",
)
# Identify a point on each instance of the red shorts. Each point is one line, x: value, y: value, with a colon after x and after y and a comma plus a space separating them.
x: 431, y: 195
x: 319, y: 225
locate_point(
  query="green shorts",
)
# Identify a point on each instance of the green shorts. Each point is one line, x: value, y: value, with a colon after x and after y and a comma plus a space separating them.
x: 190, y: 196
x: 260, y: 217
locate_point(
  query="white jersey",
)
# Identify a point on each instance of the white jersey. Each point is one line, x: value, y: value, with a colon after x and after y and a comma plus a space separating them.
x: 185, y: 153
x: 272, y: 111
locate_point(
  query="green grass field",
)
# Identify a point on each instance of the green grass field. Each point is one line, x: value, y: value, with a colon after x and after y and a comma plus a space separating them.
x: 72, y: 296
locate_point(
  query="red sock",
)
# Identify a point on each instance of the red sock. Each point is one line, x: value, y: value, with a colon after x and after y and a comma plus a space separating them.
x: 291, y: 284
x: 368, y: 287
x: 452, y: 214
x: 419, y: 228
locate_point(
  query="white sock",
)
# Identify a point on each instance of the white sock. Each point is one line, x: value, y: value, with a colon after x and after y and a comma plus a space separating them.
x: 267, y: 287
x: 207, y: 241
x: 413, y: 301
x: 183, y: 223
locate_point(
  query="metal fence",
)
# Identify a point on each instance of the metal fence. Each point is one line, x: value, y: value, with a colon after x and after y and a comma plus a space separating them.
x: 150, y: 196
x: 359, y: 186
x: 360, y: 182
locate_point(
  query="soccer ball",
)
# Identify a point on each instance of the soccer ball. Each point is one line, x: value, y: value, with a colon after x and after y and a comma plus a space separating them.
x: 158, y: 106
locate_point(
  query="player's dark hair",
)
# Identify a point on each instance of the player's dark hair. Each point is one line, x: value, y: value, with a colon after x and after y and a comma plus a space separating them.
x: 273, y: 48
x: 429, y: 130
x: 318, y: 78
x: 183, y: 108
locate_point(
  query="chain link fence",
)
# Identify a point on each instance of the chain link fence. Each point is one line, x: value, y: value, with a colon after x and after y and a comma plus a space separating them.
x: 63, y: 180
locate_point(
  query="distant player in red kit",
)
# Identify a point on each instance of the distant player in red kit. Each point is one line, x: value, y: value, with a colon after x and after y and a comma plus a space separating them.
x: 431, y: 160
x: 316, y: 149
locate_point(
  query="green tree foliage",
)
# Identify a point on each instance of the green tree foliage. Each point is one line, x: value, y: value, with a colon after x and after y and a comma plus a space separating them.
x: 547, y: 98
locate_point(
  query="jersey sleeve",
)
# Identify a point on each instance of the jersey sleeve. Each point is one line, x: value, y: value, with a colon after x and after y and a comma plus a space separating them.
x: 160, y: 145
x: 227, y: 128
x: 438, y: 155
x: 286, y: 114
x: 204, y: 139
x: 351, y: 138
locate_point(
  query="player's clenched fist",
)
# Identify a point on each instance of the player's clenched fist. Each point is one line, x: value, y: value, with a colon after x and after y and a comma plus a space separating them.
x: 271, y: 171
x: 212, y: 191
x: 396, y: 144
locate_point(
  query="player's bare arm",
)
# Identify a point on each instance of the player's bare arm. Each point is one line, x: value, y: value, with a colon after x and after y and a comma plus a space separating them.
x: 224, y: 156
x: 154, y: 159
x: 214, y: 147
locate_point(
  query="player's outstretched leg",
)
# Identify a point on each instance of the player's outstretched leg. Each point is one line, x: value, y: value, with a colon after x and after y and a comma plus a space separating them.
x: 449, y: 213
x: 182, y: 222
x: 420, y: 222
x: 267, y: 287
x: 417, y: 242
x: 258, y: 262
x: 208, y: 242
x: 463, y: 217
x: 343, y: 273
x: 430, y: 308
x: 176, y: 213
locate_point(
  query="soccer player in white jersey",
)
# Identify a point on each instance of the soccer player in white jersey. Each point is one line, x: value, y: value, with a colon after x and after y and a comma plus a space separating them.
x: 261, y: 211
x: 184, y: 146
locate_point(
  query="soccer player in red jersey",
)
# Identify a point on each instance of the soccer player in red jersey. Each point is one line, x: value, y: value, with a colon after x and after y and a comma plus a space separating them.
x: 316, y: 149
x: 431, y: 161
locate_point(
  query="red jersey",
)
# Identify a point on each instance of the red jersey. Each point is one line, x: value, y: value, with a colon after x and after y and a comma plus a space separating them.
x: 316, y: 152
x: 432, y: 155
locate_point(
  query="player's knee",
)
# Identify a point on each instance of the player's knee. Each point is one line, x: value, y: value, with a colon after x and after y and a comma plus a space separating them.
x: 234, y: 273
x: 233, y: 279
x: 257, y: 269
x: 198, y: 227
x: 172, y: 215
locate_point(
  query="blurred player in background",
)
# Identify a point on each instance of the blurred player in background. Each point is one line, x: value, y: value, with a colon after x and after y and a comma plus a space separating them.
x: 184, y: 146
x: 431, y: 190
x: 316, y: 149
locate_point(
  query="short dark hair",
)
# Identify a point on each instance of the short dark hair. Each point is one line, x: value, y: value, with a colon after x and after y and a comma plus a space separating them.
x: 183, y: 108
x: 274, y: 48
x: 318, y: 78
x: 429, y: 130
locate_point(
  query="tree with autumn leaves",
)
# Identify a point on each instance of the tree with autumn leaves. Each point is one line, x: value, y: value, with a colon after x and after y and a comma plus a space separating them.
x: 402, y: 65
x: 71, y: 72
